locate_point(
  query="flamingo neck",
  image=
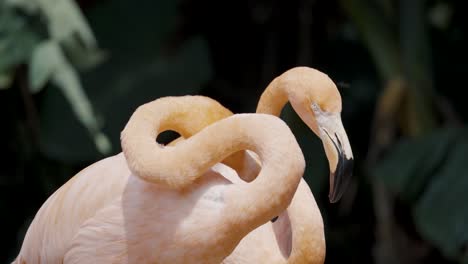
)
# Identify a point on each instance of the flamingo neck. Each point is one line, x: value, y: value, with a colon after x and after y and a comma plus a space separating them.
x: 186, y: 115
x: 273, y: 99
x: 308, y: 238
x: 303, y: 215
x: 247, y: 205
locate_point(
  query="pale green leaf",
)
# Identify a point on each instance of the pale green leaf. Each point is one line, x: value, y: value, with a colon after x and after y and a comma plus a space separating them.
x: 17, y: 40
x: 45, y: 60
x: 30, y: 6
x: 102, y: 142
x: 65, y: 19
x: 116, y: 91
x: 134, y: 73
x: 48, y: 61
x: 67, y: 79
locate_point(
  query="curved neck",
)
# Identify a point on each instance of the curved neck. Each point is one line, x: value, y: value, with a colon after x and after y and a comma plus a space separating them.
x: 308, y: 238
x: 186, y: 115
x: 306, y: 227
x: 180, y: 165
x: 273, y: 99
x: 251, y: 205
x: 247, y: 205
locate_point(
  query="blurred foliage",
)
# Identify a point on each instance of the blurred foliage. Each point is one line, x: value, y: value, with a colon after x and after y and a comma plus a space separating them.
x: 133, y: 75
x: 418, y: 172
x: 38, y: 41
x: 65, y: 140
x: 41, y: 49
x: 428, y: 174
x: 398, y: 64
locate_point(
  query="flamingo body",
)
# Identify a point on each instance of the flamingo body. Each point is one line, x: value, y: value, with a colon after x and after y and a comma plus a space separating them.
x: 133, y: 217
x: 58, y: 220
x: 184, y: 226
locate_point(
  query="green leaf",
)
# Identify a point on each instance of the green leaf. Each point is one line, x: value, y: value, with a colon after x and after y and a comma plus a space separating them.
x: 409, y: 166
x: 441, y: 215
x: 29, y: 6
x: 67, y: 79
x: 116, y: 91
x: 135, y: 73
x: 18, y: 40
x: 45, y: 61
x: 64, y: 19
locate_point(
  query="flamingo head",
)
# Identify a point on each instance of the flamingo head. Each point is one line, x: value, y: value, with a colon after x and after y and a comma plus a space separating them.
x: 316, y: 99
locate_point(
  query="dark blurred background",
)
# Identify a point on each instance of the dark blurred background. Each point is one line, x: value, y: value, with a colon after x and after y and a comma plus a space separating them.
x: 72, y: 72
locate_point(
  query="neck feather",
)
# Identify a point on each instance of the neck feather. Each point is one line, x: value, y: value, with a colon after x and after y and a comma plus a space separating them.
x: 186, y: 115
x: 179, y: 166
x: 308, y: 238
x: 273, y: 99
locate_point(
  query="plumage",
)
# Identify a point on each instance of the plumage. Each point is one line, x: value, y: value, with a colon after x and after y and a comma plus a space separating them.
x: 199, y: 223
x: 106, y: 213
x: 297, y: 236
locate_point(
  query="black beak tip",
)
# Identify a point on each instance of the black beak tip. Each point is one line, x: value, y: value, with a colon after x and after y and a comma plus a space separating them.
x: 342, y: 177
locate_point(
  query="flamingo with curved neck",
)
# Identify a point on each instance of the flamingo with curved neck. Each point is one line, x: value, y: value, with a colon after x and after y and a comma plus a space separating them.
x: 317, y: 101
x: 299, y: 231
x: 141, y: 220
x: 297, y: 236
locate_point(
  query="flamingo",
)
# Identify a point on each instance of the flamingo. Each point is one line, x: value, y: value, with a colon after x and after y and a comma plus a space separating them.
x: 317, y: 101
x: 122, y: 219
x: 325, y: 108
x: 297, y: 235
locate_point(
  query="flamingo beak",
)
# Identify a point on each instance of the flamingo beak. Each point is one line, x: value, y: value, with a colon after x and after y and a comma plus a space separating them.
x: 339, y: 154
x: 341, y: 175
